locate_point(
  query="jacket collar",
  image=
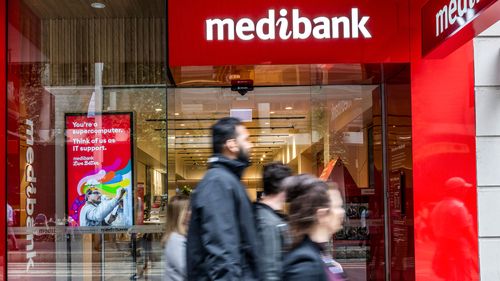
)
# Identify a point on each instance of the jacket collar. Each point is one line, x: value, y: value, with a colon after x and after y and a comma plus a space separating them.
x: 235, y: 166
x: 319, y: 247
x: 268, y: 208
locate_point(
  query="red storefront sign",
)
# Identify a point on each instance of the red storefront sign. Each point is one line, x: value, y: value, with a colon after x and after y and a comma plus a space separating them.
x: 99, y: 155
x: 443, y: 19
x: 287, y: 32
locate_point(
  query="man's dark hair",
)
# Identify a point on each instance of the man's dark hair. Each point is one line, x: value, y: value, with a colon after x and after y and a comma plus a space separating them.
x: 273, y: 176
x: 222, y: 131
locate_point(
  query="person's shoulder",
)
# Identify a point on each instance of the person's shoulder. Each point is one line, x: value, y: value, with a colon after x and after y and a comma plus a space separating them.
x: 175, y: 236
x: 302, y: 262
x: 301, y: 254
x: 266, y: 215
x: 175, y: 241
x: 214, y: 174
x: 85, y: 207
x: 217, y: 177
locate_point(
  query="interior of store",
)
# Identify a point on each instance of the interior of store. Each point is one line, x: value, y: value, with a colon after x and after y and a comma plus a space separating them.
x: 325, y: 120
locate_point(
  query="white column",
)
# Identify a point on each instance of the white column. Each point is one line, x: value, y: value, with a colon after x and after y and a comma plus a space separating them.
x: 487, y: 93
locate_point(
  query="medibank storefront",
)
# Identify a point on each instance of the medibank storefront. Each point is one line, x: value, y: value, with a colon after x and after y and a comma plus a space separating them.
x: 376, y: 98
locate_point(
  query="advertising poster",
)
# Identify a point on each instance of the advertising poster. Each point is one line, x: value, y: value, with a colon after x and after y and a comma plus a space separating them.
x: 99, y: 164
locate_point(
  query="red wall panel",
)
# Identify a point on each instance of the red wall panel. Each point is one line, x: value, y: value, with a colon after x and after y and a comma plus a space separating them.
x: 444, y: 161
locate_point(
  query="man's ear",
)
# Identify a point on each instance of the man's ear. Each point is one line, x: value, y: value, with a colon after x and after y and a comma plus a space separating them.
x: 322, y: 212
x: 231, y: 145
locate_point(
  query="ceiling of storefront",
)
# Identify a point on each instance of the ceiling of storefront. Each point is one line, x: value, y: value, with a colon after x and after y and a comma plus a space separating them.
x: 278, y: 115
x: 283, y: 75
x: 54, y: 9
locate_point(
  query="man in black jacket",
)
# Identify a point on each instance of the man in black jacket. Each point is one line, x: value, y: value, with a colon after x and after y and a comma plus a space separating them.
x: 271, y: 227
x: 222, y: 240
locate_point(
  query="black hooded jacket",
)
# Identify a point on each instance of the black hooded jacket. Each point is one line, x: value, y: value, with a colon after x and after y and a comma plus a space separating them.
x: 304, y: 263
x: 221, y: 242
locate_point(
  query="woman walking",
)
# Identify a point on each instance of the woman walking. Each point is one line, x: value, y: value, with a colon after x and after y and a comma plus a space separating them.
x: 174, y: 238
x: 315, y: 214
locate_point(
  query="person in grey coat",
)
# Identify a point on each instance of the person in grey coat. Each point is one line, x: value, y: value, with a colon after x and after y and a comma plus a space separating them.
x: 174, y: 239
x: 271, y: 226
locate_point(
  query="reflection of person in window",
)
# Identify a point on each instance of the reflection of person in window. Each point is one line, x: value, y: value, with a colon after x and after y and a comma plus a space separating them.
x: 94, y: 211
x: 453, y: 259
x: 10, y: 223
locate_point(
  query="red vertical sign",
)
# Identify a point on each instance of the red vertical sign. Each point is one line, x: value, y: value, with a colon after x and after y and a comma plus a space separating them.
x: 444, y: 19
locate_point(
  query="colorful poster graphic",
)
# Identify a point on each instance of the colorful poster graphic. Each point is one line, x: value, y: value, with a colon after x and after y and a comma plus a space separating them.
x: 99, y: 159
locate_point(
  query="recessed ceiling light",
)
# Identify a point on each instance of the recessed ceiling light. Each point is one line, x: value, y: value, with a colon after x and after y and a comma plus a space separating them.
x: 158, y: 109
x: 176, y: 114
x: 182, y: 125
x: 272, y: 112
x: 288, y: 108
x: 187, y: 133
x: 267, y: 123
x: 97, y: 5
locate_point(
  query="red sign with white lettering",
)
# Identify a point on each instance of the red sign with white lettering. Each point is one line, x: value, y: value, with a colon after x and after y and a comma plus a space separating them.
x: 287, y: 32
x: 442, y: 19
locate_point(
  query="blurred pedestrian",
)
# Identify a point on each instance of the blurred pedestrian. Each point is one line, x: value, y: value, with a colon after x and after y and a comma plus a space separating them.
x: 454, y: 255
x: 222, y: 239
x: 315, y: 214
x: 271, y: 227
x: 174, y: 238
x: 11, y: 236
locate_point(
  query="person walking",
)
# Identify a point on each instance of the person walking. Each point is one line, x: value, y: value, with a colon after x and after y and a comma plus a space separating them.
x: 315, y: 214
x: 174, y: 238
x: 11, y: 236
x: 271, y: 227
x: 222, y: 238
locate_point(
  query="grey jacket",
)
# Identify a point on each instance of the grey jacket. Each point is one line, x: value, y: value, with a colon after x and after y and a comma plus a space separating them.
x: 273, y: 233
x: 175, y: 258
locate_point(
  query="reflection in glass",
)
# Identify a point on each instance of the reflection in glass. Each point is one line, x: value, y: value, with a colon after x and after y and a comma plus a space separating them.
x: 69, y: 58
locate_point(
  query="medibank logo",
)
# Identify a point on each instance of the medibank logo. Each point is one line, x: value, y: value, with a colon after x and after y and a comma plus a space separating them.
x: 300, y: 28
x: 447, y: 16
